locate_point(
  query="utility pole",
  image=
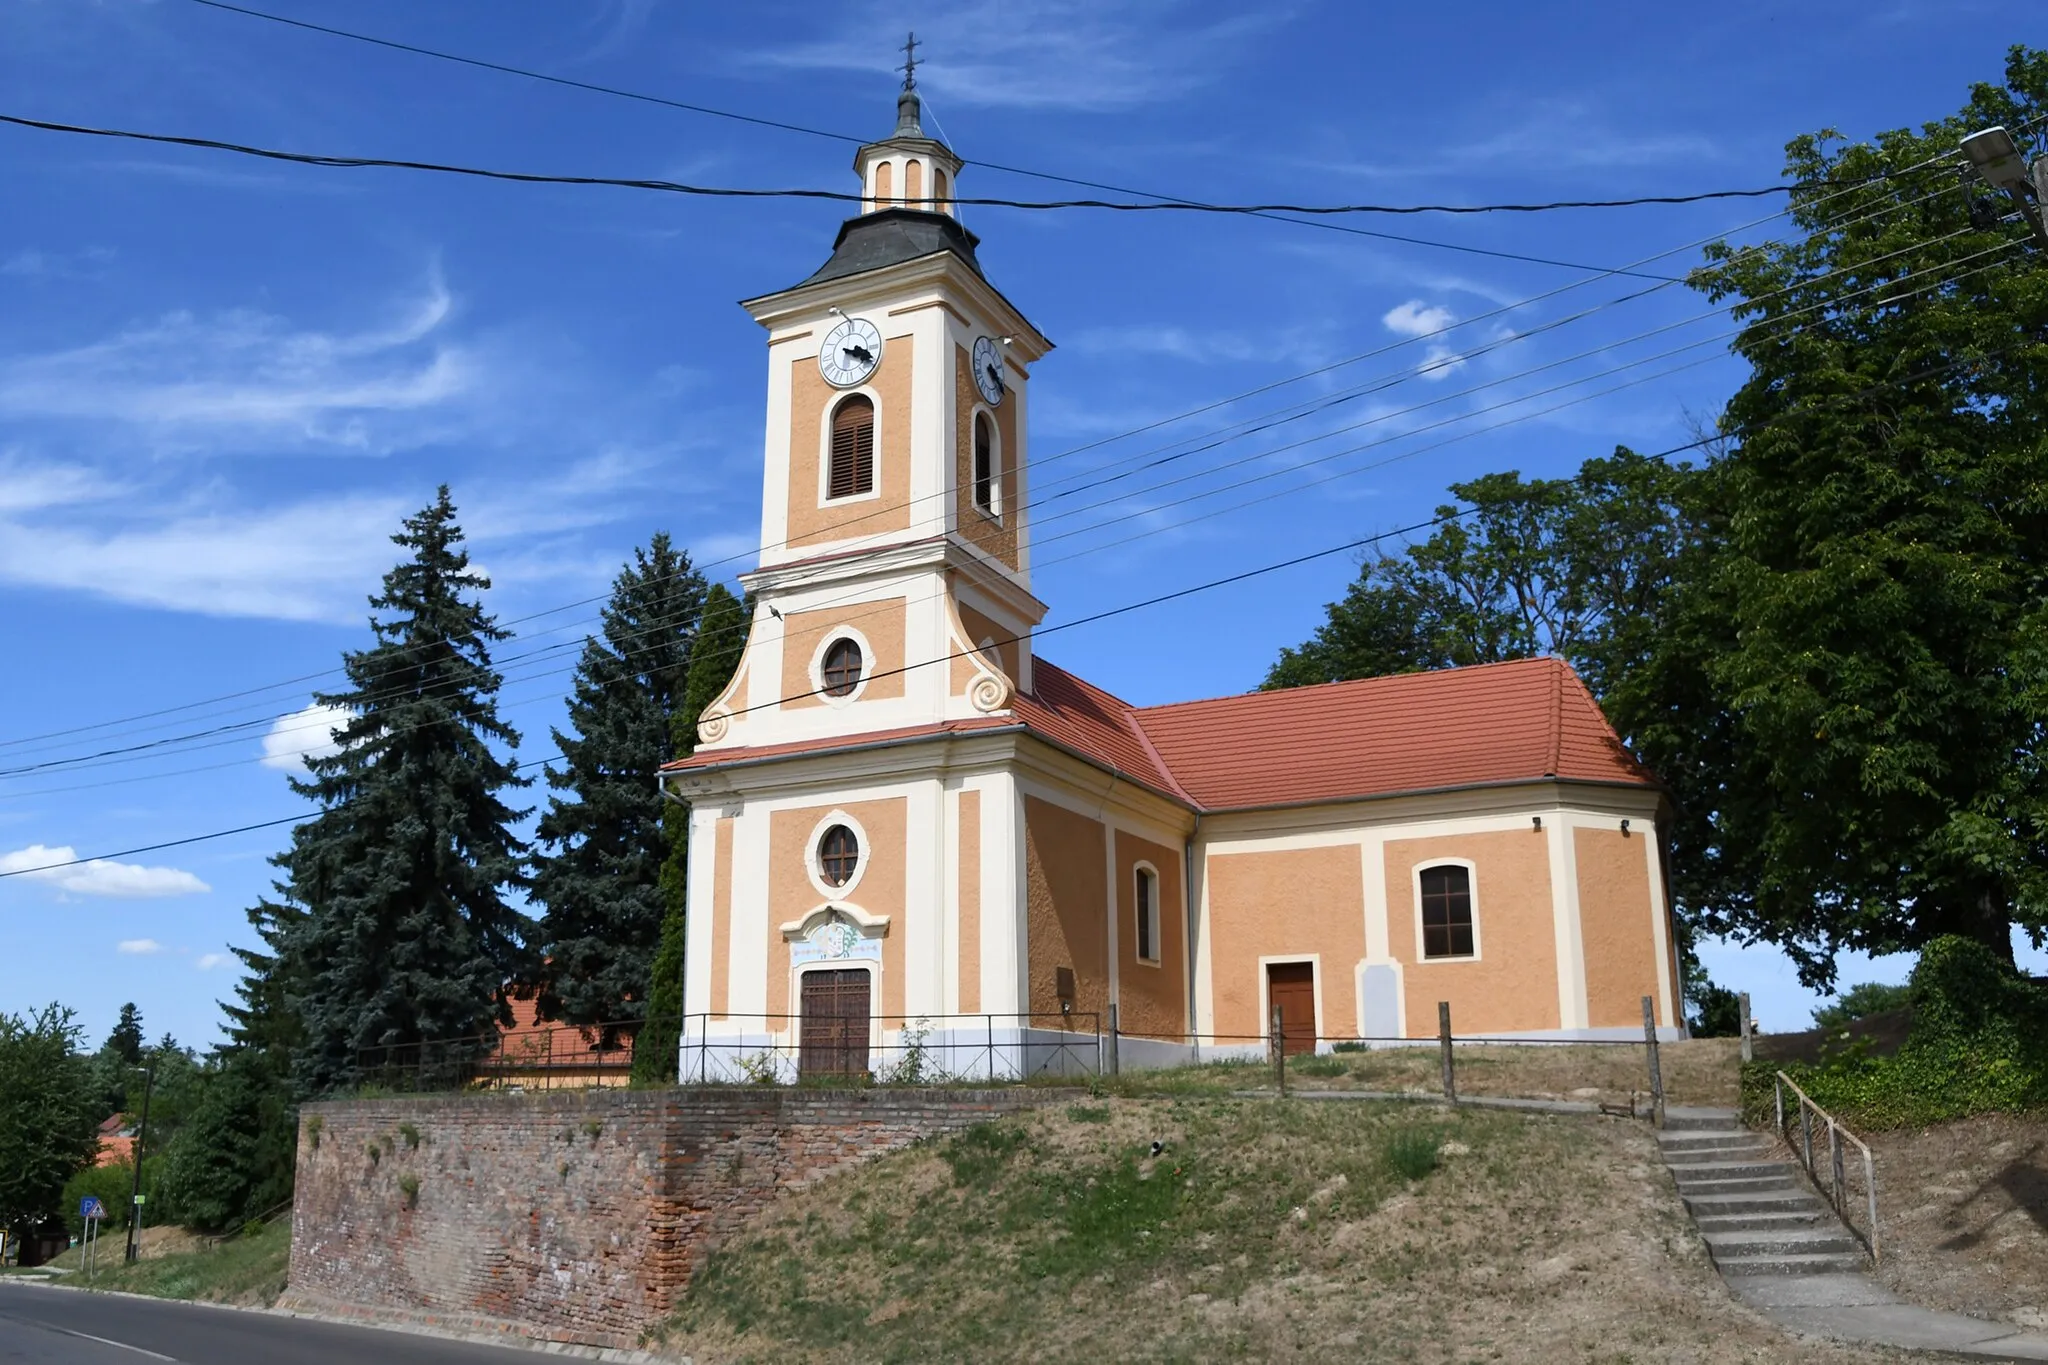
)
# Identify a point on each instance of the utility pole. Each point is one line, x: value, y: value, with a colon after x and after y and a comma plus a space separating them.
x: 135, y: 1193
x: 2001, y: 166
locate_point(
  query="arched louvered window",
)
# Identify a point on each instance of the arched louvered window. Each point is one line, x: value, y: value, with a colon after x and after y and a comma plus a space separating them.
x: 852, y: 469
x: 985, y: 463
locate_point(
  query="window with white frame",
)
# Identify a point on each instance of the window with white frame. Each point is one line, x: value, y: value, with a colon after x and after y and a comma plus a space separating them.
x: 1446, y: 911
x: 1146, y: 906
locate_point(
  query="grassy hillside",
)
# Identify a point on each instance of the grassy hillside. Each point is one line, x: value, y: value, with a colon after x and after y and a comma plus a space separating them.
x: 248, y: 1270
x: 1263, y: 1230
x: 1697, y: 1071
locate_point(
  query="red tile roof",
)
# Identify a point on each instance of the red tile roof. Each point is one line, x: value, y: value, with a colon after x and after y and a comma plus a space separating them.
x: 1457, y: 727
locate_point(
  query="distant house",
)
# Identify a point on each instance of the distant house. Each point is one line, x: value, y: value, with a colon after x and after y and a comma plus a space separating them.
x: 117, y: 1142
x: 538, y: 1054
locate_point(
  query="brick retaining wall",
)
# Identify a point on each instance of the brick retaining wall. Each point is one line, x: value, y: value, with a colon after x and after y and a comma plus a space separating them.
x: 575, y: 1216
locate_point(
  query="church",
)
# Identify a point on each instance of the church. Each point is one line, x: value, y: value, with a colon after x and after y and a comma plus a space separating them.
x: 912, y: 838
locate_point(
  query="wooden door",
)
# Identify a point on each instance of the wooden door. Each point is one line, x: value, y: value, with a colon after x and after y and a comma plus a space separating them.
x: 835, y: 1023
x: 1291, y: 989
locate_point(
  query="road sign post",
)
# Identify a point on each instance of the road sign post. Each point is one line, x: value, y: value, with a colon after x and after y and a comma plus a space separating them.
x: 94, y: 1213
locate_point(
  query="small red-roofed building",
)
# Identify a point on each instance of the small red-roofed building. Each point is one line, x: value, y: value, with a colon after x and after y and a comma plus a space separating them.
x: 117, y: 1142
x: 913, y: 840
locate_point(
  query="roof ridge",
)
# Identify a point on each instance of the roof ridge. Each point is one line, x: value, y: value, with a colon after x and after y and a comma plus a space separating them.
x: 1556, y: 716
x: 1159, y: 759
x: 1347, y: 682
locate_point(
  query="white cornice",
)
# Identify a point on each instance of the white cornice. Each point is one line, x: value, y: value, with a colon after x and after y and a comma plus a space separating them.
x: 939, y: 270
x: 860, y: 563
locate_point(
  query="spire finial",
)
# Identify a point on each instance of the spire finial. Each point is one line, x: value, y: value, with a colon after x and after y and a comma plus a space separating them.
x: 908, y: 105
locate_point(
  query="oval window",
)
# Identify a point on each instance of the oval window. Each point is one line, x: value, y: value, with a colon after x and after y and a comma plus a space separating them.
x: 838, y: 855
x: 842, y: 667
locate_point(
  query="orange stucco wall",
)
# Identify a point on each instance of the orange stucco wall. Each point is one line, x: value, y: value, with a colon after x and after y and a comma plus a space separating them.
x: 994, y: 536
x: 1615, y: 925
x: 1152, y: 999
x: 1066, y: 902
x: 969, y: 893
x: 879, y: 891
x: 883, y: 623
x: 1513, y: 983
x: 812, y: 521
x: 721, y: 917
x: 1282, y: 903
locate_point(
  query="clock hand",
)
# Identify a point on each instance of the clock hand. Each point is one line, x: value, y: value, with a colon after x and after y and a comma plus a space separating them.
x: 860, y: 353
x: 995, y: 377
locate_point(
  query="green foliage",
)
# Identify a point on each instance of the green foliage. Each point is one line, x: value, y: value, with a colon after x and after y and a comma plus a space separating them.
x: 233, y: 1159
x: 1083, y: 1113
x: 1978, y: 1044
x: 49, y: 1114
x: 409, y: 1189
x: 1852, y: 683
x: 1716, y: 1010
x: 714, y: 656
x: 601, y: 840
x: 1572, y: 567
x: 112, y: 1185
x: 411, y: 1134
x: 1411, y: 1153
x: 408, y: 933
x: 1860, y: 1001
x: 979, y: 1154
x: 124, y: 1042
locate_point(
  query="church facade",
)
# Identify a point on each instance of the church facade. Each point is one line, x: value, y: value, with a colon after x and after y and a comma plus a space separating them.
x: 909, y: 830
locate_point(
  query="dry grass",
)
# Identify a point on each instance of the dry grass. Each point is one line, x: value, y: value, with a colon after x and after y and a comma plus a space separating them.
x: 1264, y: 1231
x: 1964, y: 1216
x: 1697, y: 1071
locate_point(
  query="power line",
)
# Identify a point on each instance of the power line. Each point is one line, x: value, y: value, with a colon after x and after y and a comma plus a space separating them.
x: 95, y: 759
x: 850, y: 197
x: 1520, y: 399
x: 1160, y: 599
x: 1248, y: 427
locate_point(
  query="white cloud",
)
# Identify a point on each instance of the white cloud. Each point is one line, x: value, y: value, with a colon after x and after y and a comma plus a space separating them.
x: 304, y: 734
x: 26, y: 487
x: 89, y: 263
x: 206, y: 962
x: 241, y: 380
x: 1418, y: 319
x: 139, y: 947
x: 99, y: 876
x: 1038, y: 54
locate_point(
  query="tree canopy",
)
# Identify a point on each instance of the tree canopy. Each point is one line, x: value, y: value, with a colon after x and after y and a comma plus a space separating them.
x: 49, y: 1114
x: 408, y: 932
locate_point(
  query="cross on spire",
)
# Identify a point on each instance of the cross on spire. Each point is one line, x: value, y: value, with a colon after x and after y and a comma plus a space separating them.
x: 910, y: 46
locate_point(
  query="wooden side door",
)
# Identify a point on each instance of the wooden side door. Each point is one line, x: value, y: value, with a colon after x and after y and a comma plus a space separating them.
x: 834, y: 1040
x: 1291, y: 989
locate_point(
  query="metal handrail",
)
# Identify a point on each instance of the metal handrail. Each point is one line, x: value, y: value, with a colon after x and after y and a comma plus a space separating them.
x: 1835, y: 1133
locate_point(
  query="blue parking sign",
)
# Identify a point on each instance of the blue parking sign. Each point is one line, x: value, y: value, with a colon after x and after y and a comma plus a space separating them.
x: 90, y: 1207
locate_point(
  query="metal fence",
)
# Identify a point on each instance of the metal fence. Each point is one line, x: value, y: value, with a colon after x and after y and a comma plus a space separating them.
x: 1796, y: 1124
x: 988, y: 1048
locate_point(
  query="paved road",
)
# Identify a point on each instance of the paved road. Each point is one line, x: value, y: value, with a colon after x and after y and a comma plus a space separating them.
x: 42, y: 1325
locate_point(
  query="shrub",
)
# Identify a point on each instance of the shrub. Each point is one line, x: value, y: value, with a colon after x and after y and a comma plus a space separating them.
x: 409, y: 1186
x: 1978, y: 1044
x: 411, y: 1136
x: 1410, y: 1153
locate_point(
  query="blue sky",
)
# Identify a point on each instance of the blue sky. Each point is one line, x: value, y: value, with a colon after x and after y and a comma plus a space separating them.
x: 224, y: 381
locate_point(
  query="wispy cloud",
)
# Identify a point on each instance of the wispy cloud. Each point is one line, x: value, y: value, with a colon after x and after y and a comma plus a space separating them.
x: 99, y: 876
x: 1040, y: 54
x: 306, y: 733
x: 139, y: 947
x: 27, y: 487
x: 241, y: 380
x: 206, y: 962
x: 84, y: 264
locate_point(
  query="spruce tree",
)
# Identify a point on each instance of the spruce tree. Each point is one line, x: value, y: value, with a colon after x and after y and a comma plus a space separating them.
x: 125, y: 1042
x: 721, y: 639
x: 599, y: 878
x: 408, y: 935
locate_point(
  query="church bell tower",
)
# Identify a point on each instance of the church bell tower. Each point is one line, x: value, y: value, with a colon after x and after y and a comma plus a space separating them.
x: 894, y: 581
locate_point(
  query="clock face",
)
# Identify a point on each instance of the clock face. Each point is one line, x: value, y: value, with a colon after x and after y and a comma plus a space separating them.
x: 989, y: 376
x: 851, y: 352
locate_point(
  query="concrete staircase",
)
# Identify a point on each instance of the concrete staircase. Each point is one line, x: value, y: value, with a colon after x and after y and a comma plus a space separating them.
x: 1755, y: 1211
